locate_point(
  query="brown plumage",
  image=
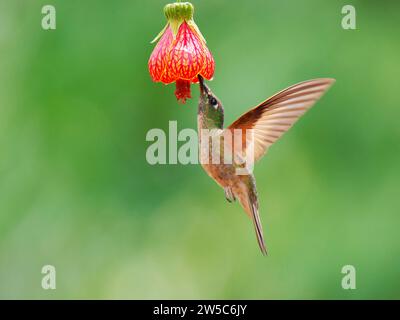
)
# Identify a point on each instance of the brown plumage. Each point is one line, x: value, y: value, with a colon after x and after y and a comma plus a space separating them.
x: 258, y: 129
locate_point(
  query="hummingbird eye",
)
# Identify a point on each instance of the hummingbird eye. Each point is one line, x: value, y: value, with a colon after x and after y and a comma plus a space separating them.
x: 213, y: 101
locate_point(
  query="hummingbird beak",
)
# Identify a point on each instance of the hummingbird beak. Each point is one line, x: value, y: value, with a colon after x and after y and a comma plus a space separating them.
x: 203, y: 87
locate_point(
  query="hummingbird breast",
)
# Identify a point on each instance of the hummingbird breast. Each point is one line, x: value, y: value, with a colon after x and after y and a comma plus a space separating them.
x: 213, y: 158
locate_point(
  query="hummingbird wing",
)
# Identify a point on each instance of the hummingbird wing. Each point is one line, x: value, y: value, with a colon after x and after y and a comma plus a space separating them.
x: 276, y: 115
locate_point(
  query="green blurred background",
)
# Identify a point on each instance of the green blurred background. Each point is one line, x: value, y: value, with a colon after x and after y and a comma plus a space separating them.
x: 76, y: 191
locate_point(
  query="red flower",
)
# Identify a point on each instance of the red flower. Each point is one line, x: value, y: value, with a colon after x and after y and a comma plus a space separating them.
x: 181, y: 53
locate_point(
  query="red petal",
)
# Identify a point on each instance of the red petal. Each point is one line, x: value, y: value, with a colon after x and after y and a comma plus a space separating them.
x: 182, y: 91
x: 157, y: 62
x: 195, y: 80
x: 186, y: 58
x: 209, y: 67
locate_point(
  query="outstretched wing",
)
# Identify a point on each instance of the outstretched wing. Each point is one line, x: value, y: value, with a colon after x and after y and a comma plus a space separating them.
x: 272, y: 118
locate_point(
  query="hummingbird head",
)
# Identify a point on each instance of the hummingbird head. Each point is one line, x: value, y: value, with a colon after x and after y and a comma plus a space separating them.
x: 210, y: 106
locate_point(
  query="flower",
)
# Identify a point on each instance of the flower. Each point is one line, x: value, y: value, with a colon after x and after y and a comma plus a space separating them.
x: 181, y: 54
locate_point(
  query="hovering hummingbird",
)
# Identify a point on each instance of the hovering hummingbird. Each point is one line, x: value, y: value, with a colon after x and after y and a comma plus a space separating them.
x: 267, y: 122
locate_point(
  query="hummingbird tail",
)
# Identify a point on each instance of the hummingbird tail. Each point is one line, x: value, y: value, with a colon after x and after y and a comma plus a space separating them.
x: 249, y: 201
x: 257, y: 225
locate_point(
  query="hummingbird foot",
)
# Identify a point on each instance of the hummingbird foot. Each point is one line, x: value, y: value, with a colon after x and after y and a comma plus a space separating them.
x: 229, y: 194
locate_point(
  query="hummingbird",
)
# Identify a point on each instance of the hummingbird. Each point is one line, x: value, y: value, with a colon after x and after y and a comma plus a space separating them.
x: 266, y: 122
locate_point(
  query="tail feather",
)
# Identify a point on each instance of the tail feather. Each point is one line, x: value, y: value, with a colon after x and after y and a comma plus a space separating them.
x: 248, y: 199
x: 258, y: 226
